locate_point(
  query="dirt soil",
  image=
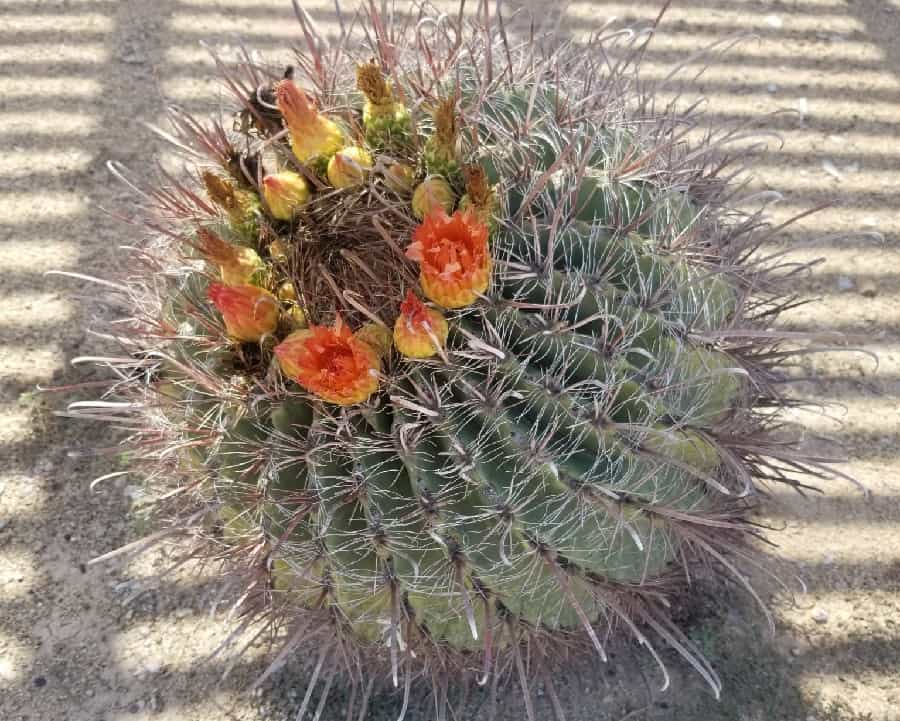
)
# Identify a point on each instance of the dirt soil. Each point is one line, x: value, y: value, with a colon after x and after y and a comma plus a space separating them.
x: 114, y: 643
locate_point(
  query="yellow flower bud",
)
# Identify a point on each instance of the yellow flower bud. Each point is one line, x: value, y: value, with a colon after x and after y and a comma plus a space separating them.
x: 312, y: 134
x: 242, y: 270
x: 349, y: 166
x: 376, y: 336
x: 419, y: 331
x: 295, y: 316
x: 432, y: 194
x: 238, y: 264
x: 287, y: 292
x: 400, y: 177
x: 285, y: 192
x: 278, y: 251
x: 293, y: 313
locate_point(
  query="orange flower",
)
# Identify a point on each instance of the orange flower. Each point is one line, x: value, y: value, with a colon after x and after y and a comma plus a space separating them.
x: 249, y: 312
x: 453, y: 256
x: 419, y: 331
x: 312, y: 134
x: 331, y: 363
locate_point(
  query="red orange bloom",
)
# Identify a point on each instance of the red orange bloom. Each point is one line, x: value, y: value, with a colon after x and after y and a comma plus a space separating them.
x: 419, y: 331
x: 249, y: 312
x: 331, y: 363
x: 453, y: 256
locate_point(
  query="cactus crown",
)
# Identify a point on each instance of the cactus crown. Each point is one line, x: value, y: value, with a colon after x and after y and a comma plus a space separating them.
x: 442, y: 421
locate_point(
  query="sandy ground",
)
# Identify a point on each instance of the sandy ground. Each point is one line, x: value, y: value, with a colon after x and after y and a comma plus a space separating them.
x: 111, y: 643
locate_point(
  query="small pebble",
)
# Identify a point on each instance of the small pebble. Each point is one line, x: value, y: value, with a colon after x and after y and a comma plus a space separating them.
x: 820, y: 615
x: 830, y: 168
x: 773, y: 21
x: 772, y: 88
x: 156, y: 703
x: 131, y: 55
x: 40, y: 681
x: 868, y: 289
x: 845, y: 283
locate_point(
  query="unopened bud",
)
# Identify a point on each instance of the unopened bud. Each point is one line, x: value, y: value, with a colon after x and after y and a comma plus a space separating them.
x: 287, y: 292
x: 249, y: 312
x: 285, y: 192
x: 433, y: 193
x: 238, y: 264
x: 400, y: 178
x: 349, y: 167
x: 419, y: 331
x: 377, y: 336
x: 312, y: 134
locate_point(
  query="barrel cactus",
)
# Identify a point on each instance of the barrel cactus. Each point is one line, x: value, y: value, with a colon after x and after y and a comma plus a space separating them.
x: 451, y: 344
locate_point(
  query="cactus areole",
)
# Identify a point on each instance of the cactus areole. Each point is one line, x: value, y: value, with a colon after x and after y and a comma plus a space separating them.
x: 519, y: 395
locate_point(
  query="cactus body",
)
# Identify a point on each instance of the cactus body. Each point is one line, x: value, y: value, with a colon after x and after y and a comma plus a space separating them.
x: 558, y: 453
x: 541, y: 450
